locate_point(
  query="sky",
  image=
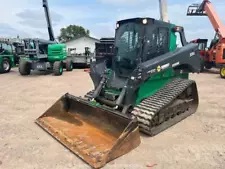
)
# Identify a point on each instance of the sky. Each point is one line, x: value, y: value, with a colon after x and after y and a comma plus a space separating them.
x: 26, y: 18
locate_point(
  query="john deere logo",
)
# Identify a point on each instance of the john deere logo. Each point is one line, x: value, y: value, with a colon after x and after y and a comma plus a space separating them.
x: 158, y: 68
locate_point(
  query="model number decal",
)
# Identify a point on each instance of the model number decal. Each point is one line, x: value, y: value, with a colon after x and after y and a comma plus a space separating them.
x: 192, y: 54
x: 175, y: 64
x: 151, y: 71
x: 165, y: 66
x: 39, y: 66
x: 132, y: 78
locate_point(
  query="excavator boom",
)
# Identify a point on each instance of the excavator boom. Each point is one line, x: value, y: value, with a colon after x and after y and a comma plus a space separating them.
x: 206, y: 9
x: 215, y: 55
x: 48, y: 19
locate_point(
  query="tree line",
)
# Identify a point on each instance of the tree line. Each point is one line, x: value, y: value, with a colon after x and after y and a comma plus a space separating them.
x: 71, y: 32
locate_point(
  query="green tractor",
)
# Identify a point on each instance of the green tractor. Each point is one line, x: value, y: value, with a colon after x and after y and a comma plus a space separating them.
x: 147, y: 88
x: 6, y: 58
x: 44, y: 55
x: 8, y: 55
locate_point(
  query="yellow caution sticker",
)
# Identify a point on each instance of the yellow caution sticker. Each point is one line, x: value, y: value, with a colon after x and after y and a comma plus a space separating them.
x: 158, y: 68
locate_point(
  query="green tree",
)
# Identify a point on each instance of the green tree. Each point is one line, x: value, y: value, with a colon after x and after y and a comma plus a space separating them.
x: 72, y: 31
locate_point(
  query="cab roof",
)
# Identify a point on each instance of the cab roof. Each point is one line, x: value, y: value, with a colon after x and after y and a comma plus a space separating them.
x: 136, y: 20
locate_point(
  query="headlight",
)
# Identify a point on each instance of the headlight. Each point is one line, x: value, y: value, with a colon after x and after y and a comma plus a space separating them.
x: 117, y: 25
x: 144, y: 21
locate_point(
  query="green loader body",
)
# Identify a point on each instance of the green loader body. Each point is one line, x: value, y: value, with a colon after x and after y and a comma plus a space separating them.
x: 146, y: 89
x: 57, y: 52
x: 159, y: 80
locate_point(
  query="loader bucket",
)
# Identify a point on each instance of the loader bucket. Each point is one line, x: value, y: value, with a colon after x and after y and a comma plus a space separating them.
x: 96, y: 134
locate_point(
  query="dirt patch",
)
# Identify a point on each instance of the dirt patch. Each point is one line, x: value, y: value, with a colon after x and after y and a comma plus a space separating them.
x: 197, y: 142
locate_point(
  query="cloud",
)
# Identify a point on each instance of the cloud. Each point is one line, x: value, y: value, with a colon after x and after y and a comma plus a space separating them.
x: 36, y: 18
x: 104, y: 29
x: 122, y: 2
x: 195, y: 27
x: 7, y: 30
x: 26, y: 17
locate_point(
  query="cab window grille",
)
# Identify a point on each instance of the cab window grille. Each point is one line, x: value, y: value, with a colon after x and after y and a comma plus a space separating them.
x: 157, y: 43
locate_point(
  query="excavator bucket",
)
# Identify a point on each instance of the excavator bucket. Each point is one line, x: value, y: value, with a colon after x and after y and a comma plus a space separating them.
x: 96, y: 134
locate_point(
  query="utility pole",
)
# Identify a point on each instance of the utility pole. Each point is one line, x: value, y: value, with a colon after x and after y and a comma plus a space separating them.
x: 163, y: 10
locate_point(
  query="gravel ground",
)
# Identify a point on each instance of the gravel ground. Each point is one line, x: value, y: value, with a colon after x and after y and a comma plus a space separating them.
x: 198, y: 142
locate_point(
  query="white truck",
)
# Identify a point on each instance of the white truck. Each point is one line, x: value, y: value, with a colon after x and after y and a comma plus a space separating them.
x: 83, y: 59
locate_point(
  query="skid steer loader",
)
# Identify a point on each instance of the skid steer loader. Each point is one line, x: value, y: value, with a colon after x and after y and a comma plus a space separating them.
x: 146, y: 89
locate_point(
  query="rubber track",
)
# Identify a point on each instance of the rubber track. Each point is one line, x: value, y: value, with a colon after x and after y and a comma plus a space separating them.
x: 150, y: 107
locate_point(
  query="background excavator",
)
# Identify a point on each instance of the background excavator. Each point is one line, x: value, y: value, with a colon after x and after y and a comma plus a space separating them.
x: 104, y: 50
x: 147, y: 88
x: 44, y: 55
x: 215, y: 54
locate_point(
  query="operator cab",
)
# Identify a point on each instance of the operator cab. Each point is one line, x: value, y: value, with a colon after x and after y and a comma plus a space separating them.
x: 138, y: 40
x: 214, y: 41
x: 5, y: 48
x: 202, y: 43
x: 37, y: 47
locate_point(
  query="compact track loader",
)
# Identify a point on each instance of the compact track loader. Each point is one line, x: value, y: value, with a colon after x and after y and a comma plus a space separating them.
x: 146, y: 89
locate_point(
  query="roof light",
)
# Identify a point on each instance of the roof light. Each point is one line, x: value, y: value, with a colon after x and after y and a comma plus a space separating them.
x: 117, y: 25
x: 144, y: 21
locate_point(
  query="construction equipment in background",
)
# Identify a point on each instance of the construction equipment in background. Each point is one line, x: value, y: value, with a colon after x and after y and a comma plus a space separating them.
x: 43, y: 55
x: 10, y: 52
x: 146, y: 89
x: 18, y: 51
x: 6, y: 56
x: 80, y: 59
x: 215, y: 55
x: 104, y: 50
x: 202, y: 47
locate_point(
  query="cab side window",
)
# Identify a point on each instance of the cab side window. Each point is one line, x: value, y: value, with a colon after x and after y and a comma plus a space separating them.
x: 157, y: 42
x: 6, y: 48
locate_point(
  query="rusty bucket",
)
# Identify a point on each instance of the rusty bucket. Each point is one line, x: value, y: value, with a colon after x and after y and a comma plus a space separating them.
x: 96, y: 134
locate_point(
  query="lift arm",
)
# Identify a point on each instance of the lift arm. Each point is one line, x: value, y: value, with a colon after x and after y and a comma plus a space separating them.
x: 206, y: 9
x: 48, y: 19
